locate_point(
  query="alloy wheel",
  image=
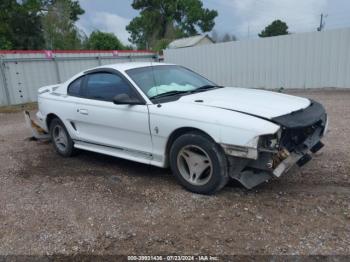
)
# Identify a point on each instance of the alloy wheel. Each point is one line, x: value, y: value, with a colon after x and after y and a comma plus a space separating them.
x: 195, y: 165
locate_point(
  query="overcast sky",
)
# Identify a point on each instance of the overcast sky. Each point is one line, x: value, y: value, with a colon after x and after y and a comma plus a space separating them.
x: 243, y: 18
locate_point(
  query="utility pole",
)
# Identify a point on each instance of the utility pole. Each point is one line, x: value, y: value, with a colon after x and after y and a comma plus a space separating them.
x: 322, y: 23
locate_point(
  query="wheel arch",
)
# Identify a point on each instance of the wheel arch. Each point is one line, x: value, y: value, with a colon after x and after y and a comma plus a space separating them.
x: 49, y: 118
x: 179, y: 132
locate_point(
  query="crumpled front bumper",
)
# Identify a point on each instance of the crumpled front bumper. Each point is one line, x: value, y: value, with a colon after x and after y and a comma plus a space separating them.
x: 302, y: 154
x: 301, y: 137
x: 253, y: 173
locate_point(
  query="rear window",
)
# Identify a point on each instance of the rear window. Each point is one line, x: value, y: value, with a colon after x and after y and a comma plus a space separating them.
x: 75, y: 87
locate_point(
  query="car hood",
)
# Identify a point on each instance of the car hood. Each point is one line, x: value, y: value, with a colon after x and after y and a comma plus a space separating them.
x: 261, y: 103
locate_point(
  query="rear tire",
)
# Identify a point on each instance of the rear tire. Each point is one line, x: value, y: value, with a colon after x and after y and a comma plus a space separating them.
x: 61, y: 139
x: 198, y: 163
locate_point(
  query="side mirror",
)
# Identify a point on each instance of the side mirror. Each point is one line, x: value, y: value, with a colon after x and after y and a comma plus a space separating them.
x: 124, y: 99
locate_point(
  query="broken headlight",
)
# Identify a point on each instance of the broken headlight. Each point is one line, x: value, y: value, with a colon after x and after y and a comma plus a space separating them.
x: 269, y: 143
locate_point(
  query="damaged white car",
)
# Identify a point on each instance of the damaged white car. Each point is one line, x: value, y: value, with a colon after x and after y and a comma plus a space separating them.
x: 167, y: 115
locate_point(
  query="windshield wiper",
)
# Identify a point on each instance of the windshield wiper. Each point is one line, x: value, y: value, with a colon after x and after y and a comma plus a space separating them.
x: 177, y: 92
x: 170, y: 93
x: 206, y: 87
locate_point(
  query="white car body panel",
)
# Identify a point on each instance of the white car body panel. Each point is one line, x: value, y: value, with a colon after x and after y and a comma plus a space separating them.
x: 222, y: 125
x: 261, y: 103
x: 113, y: 125
x: 130, y: 140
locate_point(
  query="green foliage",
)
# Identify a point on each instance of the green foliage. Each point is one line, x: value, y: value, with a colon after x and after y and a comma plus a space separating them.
x: 163, y: 21
x: 38, y: 24
x: 75, y: 10
x: 20, y: 26
x: 73, y: 6
x: 161, y: 44
x: 5, y: 44
x: 104, y: 41
x: 128, y: 47
x: 276, y: 28
x: 58, y: 26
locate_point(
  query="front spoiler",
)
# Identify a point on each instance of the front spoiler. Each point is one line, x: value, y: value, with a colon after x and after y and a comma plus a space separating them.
x: 250, y: 178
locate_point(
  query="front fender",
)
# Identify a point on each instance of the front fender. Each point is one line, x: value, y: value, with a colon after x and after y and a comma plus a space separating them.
x: 223, y: 126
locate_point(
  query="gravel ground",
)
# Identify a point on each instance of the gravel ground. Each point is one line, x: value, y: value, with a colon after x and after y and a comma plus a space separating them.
x: 94, y: 204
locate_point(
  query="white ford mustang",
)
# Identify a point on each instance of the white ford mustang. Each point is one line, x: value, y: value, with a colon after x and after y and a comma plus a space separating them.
x: 167, y: 115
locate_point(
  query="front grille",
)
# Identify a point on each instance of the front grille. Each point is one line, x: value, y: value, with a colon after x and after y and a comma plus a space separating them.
x: 292, y: 138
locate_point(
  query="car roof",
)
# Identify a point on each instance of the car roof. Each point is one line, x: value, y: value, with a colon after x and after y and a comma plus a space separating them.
x: 130, y: 65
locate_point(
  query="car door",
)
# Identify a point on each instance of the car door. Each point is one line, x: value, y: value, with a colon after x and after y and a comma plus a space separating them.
x: 100, y: 122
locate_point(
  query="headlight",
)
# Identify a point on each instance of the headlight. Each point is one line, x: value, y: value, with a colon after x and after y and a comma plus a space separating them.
x: 240, y: 151
x: 269, y: 143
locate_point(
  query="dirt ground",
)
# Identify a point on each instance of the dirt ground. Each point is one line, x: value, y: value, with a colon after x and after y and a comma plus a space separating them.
x: 94, y: 204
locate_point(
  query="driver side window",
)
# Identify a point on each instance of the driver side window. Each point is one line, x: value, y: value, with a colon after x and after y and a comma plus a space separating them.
x: 105, y: 86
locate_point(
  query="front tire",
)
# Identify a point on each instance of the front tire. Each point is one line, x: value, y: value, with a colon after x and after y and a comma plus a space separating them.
x: 198, y: 163
x: 60, y: 138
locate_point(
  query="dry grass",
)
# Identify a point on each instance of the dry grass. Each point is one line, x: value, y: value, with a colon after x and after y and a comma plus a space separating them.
x: 19, y: 107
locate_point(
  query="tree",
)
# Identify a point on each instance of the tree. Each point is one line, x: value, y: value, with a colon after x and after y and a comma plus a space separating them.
x: 59, y: 29
x: 38, y: 24
x: 277, y: 27
x: 73, y: 6
x: 104, y: 41
x: 220, y: 39
x: 163, y: 21
x: 5, y: 44
x: 228, y: 38
x: 20, y: 25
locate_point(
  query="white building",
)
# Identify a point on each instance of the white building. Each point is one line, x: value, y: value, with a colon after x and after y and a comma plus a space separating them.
x: 191, y: 41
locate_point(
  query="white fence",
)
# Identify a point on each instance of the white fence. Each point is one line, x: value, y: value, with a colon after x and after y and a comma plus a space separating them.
x: 307, y: 60
x: 23, y: 72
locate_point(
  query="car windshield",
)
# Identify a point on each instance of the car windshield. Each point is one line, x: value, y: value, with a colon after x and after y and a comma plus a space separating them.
x: 156, y: 81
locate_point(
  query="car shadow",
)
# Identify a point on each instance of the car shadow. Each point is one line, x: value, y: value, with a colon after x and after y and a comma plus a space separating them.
x: 114, y: 169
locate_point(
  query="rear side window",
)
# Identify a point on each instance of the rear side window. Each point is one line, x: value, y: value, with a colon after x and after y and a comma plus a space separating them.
x: 105, y: 86
x: 75, y: 87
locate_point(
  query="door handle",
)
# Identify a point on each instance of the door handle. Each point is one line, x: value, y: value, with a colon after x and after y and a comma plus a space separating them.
x: 83, y: 111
